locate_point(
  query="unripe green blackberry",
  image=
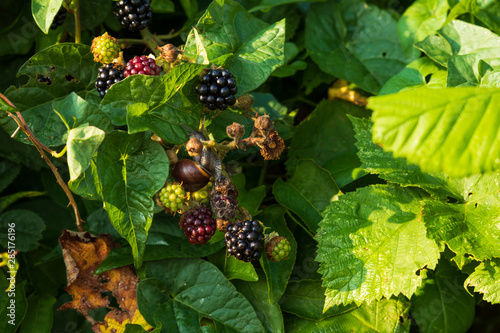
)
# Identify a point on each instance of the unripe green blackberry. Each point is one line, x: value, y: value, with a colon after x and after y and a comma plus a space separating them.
x: 105, y: 48
x: 201, y: 196
x: 173, y: 197
x: 278, y: 248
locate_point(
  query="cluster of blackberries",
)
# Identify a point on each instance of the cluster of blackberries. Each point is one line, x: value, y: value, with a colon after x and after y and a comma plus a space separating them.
x: 217, y: 89
x: 142, y: 65
x: 133, y: 15
x: 245, y: 240
x: 198, y: 225
x: 59, y: 18
x: 45, y: 79
x: 108, y: 75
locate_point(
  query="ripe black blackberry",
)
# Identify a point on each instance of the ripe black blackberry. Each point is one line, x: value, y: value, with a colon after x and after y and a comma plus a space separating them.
x: 217, y: 89
x: 245, y: 240
x: 108, y: 75
x: 198, y: 225
x: 59, y: 18
x: 133, y: 15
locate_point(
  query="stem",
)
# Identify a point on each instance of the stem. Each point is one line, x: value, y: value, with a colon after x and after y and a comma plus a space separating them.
x: 151, y: 41
x: 131, y: 41
x: 78, y: 33
x: 170, y: 35
x: 18, y: 118
x: 263, y: 172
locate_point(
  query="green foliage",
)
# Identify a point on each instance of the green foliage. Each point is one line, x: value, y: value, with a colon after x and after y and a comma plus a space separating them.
x: 388, y: 188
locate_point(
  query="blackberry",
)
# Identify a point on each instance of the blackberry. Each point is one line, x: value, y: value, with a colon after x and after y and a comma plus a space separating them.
x: 223, y: 199
x: 173, y: 197
x: 133, y: 15
x: 105, y: 48
x: 245, y: 240
x: 278, y: 248
x: 59, y: 18
x: 201, y: 196
x: 45, y: 79
x: 142, y: 65
x: 108, y: 75
x: 217, y: 89
x: 198, y: 225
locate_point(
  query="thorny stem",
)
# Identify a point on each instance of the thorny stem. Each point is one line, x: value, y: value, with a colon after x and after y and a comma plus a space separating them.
x: 18, y: 118
x: 78, y: 33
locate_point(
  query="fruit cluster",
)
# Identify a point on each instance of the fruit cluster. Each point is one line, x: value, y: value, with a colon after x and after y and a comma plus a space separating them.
x: 134, y: 15
x: 105, y: 48
x: 173, y: 197
x: 59, y: 18
x: 108, y: 75
x: 142, y: 65
x: 198, y: 225
x: 245, y: 240
x: 217, y: 89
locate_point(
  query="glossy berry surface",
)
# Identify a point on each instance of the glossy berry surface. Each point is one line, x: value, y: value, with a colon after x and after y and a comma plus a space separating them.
x: 134, y: 15
x: 142, y: 65
x: 217, y: 89
x: 173, y: 197
x: 108, y: 75
x: 245, y: 240
x: 198, y: 225
x: 59, y: 18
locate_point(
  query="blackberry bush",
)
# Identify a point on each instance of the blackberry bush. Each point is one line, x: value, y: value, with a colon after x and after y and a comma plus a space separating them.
x: 198, y: 225
x: 142, y: 65
x: 245, y: 240
x: 108, y: 75
x: 134, y: 15
x: 217, y: 89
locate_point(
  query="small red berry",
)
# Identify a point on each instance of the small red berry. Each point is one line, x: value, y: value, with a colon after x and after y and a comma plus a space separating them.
x: 142, y: 65
x: 198, y: 225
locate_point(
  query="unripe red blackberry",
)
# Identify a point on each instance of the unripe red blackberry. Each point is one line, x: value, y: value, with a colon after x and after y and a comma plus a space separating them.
x: 198, y: 225
x: 59, y: 18
x: 142, y: 65
x: 133, y: 15
x: 105, y: 48
x: 108, y: 75
x: 245, y: 240
x: 217, y: 89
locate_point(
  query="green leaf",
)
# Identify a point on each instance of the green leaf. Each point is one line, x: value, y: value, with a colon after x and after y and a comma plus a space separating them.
x: 450, y: 130
x: 386, y: 315
x: 372, y: 244
x: 485, y: 280
x: 158, y: 103
x: 8, y: 200
x: 82, y: 144
x: 442, y: 304
x: 13, y: 305
x: 87, y: 184
x: 306, y: 298
x: 461, y: 38
x: 307, y: 193
x: 419, y: 73
x: 377, y: 161
x: 257, y: 294
x: 355, y: 42
x: 165, y: 240
x: 26, y: 229
x: 227, y: 28
x: 38, y: 315
x: 265, y: 5
x: 469, y: 228
x: 487, y: 11
x: 327, y: 137
x: 466, y: 70
x: 237, y: 269
x: 72, y: 72
x: 162, y: 6
x: 131, y: 170
x: 194, y: 285
x: 277, y: 273
x: 44, y: 12
x: 8, y: 172
x: 252, y: 199
x: 260, y: 55
x: 421, y: 19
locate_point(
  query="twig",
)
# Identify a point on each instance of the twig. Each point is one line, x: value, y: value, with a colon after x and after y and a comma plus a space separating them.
x: 18, y: 118
x: 78, y: 34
